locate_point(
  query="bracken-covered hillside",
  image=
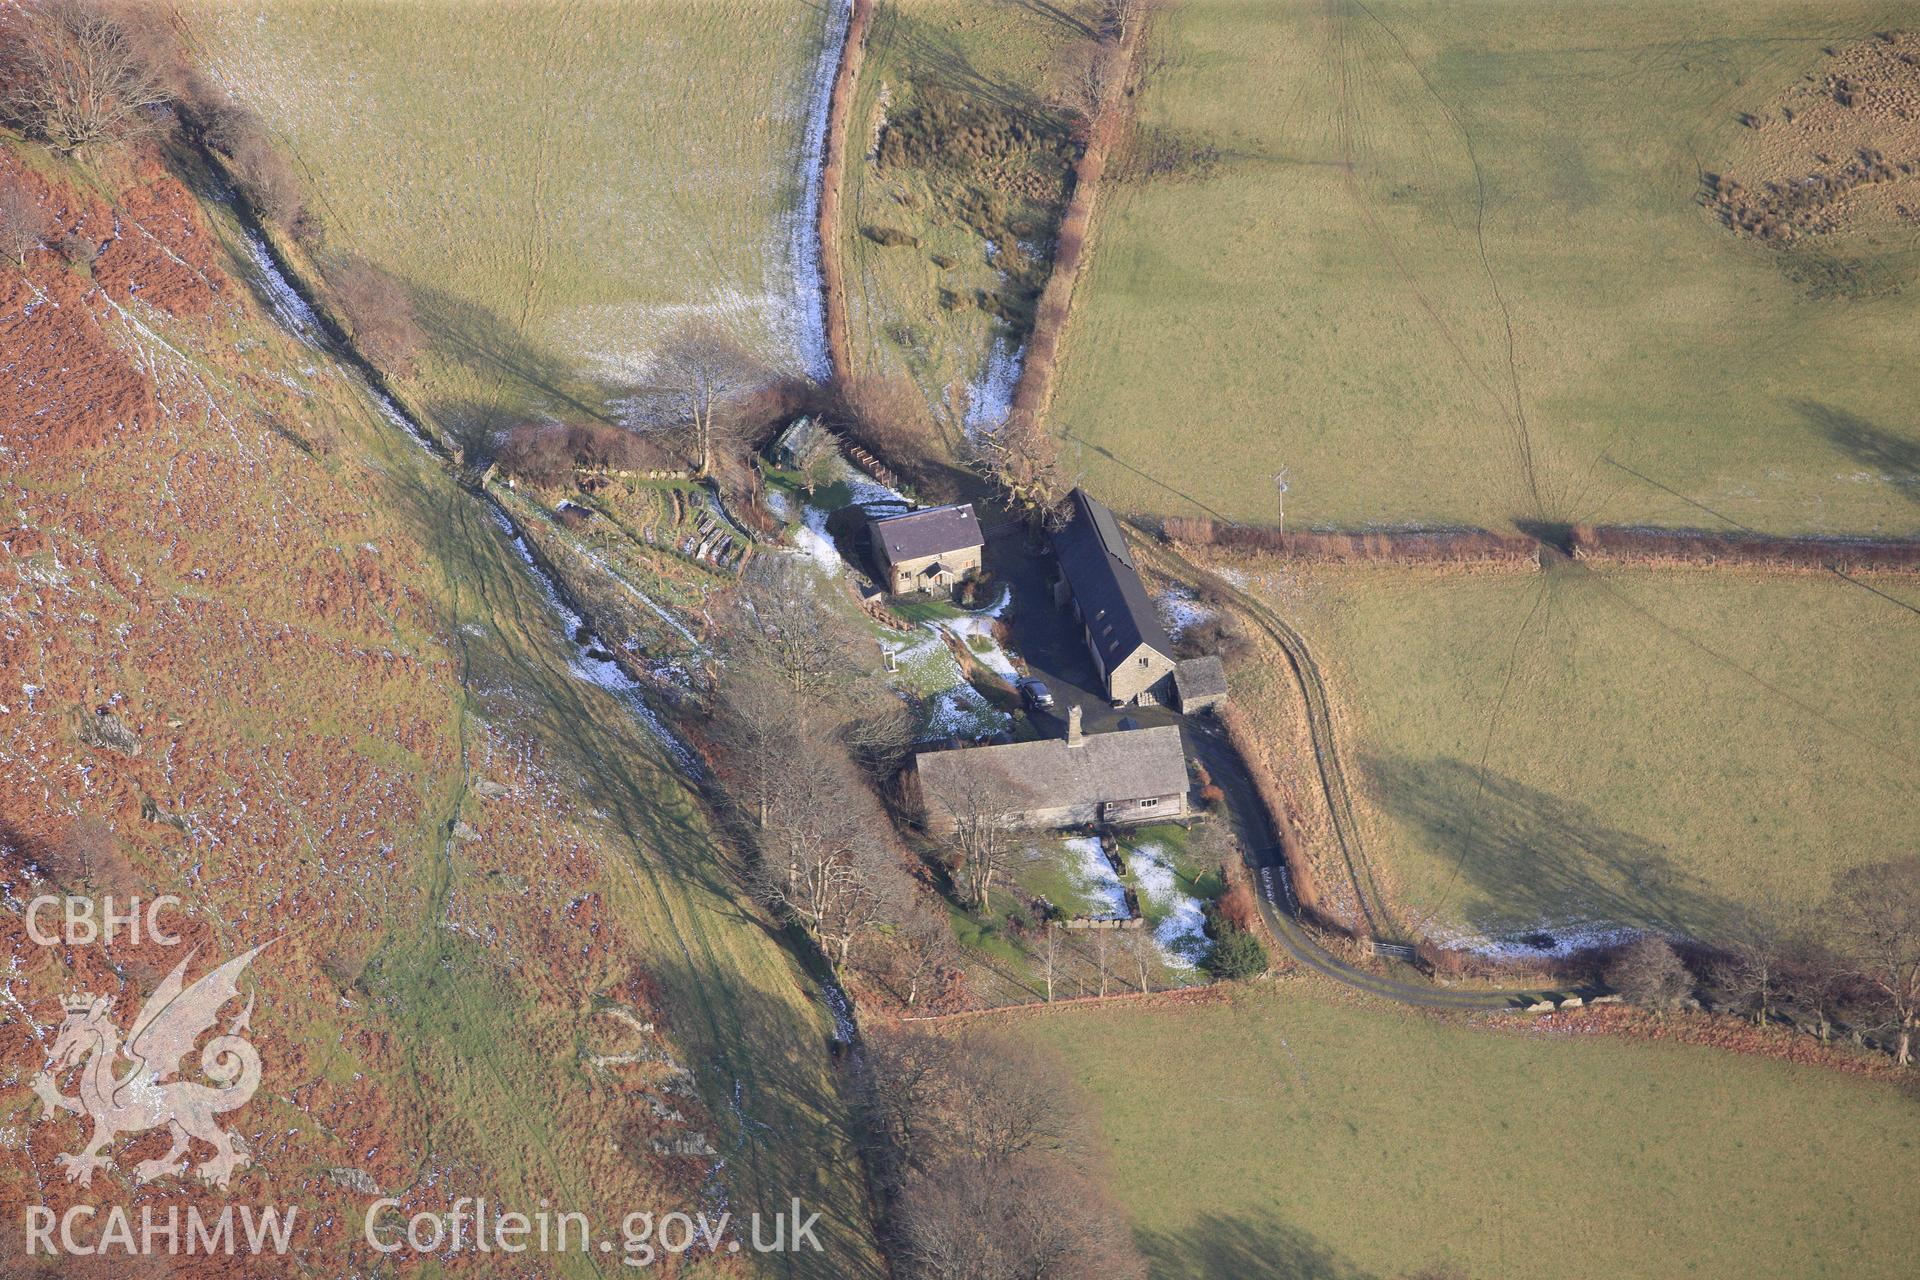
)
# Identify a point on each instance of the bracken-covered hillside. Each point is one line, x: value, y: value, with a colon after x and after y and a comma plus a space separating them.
x: 259, y: 652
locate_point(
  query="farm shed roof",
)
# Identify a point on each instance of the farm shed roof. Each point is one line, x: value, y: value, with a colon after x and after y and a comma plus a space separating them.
x: 1204, y: 677
x: 1049, y: 774
x: 1105, y: 584
x: 932, y: 532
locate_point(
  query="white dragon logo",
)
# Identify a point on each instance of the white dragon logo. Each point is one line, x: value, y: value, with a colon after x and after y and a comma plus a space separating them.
x: 148, y: 1096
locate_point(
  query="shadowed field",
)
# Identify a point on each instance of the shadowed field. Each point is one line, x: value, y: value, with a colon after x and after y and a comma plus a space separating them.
x: 1642, y: 747
x: 1319, y: 1137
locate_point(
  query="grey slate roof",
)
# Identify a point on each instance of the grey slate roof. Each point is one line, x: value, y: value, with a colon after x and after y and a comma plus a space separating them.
x: 934, y: 531
x: 1200, y: 678
x: 1026, y: 777
x: 1105, y: 584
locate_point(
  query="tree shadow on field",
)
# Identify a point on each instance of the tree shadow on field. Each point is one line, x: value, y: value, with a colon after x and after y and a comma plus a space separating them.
x: 1249, y: 1246
x: 1526, y: 856
x: 1870, y: 445
x: 488, y: 345
x: 935, y: 57
x: 1072, y: 15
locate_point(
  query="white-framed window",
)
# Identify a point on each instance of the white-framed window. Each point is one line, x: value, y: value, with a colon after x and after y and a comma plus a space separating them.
x: 1148, y: 804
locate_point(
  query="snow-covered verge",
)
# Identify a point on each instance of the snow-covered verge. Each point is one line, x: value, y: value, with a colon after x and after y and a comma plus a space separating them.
x: 809, y: 281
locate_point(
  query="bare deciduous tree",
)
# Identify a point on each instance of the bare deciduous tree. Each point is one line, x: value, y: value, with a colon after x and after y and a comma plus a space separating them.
x: 23, y: 223
x: 1023, y: 464
x: 694, y: 377
x: 822, y: 863
x: 1754, y: 965
x: 927, y: 946
x: 380, y: 312
x: 980, y: 843
x: 262, y: 169
x: 1878, y: 908
x: 88, y: 857
x: 792, y: 633
x: 1649, y: 972
x: 1024, y: 1220
x: 976, y: 1145
x: 73, y: 74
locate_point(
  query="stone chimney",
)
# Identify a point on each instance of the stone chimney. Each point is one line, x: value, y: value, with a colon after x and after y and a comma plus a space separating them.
x: 1074, y: 737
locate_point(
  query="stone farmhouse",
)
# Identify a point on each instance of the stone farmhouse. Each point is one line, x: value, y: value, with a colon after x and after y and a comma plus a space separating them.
x: 1107, y: 779
x: 931, y: 550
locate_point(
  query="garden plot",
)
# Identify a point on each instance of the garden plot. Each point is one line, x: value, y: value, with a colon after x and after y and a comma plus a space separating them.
x: 1176, y: 916
x: 1075, y: 876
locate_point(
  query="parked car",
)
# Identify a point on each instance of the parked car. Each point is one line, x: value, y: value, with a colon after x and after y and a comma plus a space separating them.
x: 1036, y: 695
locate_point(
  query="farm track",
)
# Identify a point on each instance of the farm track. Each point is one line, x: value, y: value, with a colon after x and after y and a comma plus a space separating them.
x: 1333, y: 779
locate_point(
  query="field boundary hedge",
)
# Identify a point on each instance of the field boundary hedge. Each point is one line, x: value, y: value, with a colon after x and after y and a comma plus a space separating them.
x: 1613, y: 544
x: 1626, y: 544
x: 1447, y: 546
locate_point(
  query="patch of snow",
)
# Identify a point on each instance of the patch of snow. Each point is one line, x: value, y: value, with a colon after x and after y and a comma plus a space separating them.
x: 990, y: 653
x: 289, y: 308
x: 811, y: 539
x: 1094, y: 875
x: 990, y: 394
x: 964, y: 712
x: 1181, y: 934
x: 1543, y: 942
x: 1180, y: 609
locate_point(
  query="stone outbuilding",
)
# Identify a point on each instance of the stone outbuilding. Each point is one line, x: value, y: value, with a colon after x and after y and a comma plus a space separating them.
x: 932, y: 550
x: 1200, y: 683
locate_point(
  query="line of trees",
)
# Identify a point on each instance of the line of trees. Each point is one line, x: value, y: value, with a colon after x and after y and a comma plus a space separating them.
x: 804, y: 740
x: 1855, y: 959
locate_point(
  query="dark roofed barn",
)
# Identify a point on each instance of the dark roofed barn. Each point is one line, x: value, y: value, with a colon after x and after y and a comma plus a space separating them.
x: 1123, y: 631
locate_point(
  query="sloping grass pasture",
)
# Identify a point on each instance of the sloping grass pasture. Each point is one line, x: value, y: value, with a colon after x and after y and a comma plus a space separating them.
x: 1667, y: 749
x: 1449, y: 263
x: 559, y: 186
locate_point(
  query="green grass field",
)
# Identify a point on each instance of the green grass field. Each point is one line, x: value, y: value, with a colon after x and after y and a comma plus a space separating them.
x: 1450, y: 259
x: 998, y: 52
x: 1315, y: 1137
x: 559, y: 185
x: 1647, y: 747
